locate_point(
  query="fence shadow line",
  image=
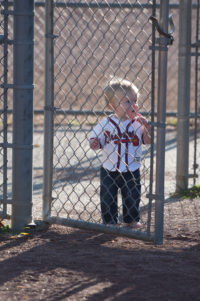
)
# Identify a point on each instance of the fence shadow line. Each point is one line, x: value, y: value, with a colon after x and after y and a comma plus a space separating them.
x: 86, y: 259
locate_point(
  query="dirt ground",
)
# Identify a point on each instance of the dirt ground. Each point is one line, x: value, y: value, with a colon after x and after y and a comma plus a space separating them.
x: 62, y: 263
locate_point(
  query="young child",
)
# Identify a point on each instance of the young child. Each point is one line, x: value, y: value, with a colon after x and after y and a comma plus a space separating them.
x: 120, y: 136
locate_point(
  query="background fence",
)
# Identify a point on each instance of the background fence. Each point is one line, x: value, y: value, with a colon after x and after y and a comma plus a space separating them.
x: 94, y: 42
x: 39, y: 56
x: 179, y: 212
x: 87, y: 64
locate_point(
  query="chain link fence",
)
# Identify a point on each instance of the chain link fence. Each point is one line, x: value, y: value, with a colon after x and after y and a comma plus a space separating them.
x: 182, y: 215
x: 172, y: 58
x: 1, y: 117
x: 172, y: 100
x: 172, y: 84
x: 39, y: 57
x: 90, y: 45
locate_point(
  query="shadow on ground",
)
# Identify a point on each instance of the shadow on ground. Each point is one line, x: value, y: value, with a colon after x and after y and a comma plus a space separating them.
x: 69, y: 264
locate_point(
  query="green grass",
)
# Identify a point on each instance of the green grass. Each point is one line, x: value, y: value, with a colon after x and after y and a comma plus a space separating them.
x: 172, y: 121
x: 190, y: 193
x: 4, y: 229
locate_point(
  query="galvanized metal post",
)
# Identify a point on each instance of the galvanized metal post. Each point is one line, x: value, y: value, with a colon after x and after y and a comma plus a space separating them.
x: 160, y: 156
x: 151, y: 176
x: 49, y: 110
x: 5, y: 108
x: 23, y: 113
x: 196, y: 53
x: 183, y: 94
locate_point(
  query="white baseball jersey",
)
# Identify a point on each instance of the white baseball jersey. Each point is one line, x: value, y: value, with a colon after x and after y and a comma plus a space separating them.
x: 121, y: 143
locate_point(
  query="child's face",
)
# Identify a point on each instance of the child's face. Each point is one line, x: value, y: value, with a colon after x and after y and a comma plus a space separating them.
x: 126, y: 105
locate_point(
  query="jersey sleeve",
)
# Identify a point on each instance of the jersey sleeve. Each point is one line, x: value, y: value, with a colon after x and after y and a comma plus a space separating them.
x: 98, y: 132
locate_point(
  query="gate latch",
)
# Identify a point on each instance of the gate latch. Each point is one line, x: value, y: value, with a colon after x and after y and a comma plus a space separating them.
x: 168, y: 36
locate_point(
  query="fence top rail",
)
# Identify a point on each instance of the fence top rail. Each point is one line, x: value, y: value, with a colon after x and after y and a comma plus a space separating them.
x: 72, y: 4
x: 94, y: 4
x: 110, y: 5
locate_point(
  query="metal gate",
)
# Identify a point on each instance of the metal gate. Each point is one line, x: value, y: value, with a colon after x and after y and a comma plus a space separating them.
x: 86, y: 43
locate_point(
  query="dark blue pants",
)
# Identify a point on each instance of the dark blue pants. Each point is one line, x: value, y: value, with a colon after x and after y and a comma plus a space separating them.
x: 129, y: 184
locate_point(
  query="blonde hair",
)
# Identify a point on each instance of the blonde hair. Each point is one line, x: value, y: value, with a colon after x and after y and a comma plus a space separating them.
x: 118, y: 84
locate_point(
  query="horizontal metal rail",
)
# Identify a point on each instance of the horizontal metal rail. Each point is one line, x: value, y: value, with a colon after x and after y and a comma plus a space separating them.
x: 105, y: 5
x: 101, y: 228
x: 5, y: 216
x: 100, y: 113
x: 7, y: 201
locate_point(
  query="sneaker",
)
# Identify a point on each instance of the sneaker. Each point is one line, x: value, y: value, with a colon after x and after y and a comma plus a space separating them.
x: 135, y: 225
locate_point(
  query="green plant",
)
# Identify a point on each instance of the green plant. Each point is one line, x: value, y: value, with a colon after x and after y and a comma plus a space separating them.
x: 190, y: 193
x: 172, y: 121
x: 4, y: 228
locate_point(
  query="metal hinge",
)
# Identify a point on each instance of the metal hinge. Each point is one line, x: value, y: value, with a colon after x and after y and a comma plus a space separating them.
x: 50, y: 108
x: 166, y: 38
x: 16, y: 146
x: 17, y: 13
x: 6, y: 201
x: 195, y: 45
x: 155, y: 197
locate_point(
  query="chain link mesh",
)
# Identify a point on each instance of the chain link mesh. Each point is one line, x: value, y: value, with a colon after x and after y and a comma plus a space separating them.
x: 93, y: 44
x: 81, y: 69
x: 39, y: 57
x: 182, y: 214
x: 172, y: 100
x: 3, y: 116
x: 6, y: 96
x: 172, y: 58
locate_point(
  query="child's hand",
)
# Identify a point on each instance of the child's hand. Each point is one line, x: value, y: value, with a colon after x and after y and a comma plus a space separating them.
x: 146, y: 128
x: 142, y: 119
x: 95, y: 143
